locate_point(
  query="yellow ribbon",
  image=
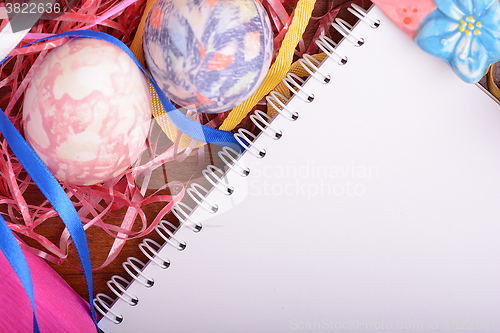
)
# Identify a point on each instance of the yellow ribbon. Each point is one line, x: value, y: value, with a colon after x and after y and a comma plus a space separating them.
x: 158, y: 113
x: 279, y: 68
x: 136, y: 46
x: 297, y: 69
x: 275, y: 74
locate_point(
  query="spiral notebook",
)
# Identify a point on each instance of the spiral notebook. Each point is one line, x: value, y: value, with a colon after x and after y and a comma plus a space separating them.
x: 377, y: 210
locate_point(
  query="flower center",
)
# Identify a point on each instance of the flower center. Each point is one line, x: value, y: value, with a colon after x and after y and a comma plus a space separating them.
x: 468, y: 25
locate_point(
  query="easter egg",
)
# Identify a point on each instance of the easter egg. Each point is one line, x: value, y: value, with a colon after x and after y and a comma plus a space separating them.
x: 87, y: 111
x: 208, y: 55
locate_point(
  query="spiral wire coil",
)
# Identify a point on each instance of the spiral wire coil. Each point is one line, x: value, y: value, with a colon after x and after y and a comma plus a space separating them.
x: 229, y: 157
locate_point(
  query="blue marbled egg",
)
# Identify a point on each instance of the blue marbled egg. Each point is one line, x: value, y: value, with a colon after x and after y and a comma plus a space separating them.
x: 208, y: 55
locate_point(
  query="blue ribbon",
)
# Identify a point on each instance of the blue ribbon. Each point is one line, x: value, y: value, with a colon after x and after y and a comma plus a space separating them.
x: 183, y: 123
x: 15, y: 256
x: 50, y: 187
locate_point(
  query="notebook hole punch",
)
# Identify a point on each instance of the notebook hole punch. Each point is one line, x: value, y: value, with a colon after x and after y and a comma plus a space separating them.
x: 360, y: 13
x: 116, y: 281
x: 230, y: 158
x: 195, y: 192
x: 104, y: 308
x: 277, y: 98
x: 262, y: 120
x: 150, y: 249
x: 163, y: 229
x: 243, y: 137
x: 136, y: 271
x: 214, y: 175
x: 310, y: 65
x: 345, y: 29
x: 182, y: 212
x: 329, y: 47
x: 294, y: 84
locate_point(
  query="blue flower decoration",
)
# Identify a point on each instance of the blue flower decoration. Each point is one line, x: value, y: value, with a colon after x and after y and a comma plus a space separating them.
x: 465, y: 33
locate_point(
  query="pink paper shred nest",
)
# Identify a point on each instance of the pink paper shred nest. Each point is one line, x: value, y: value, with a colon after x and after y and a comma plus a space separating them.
x: 109, y: 17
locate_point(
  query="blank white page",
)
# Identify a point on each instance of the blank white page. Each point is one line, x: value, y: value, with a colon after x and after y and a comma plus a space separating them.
x: 378, y: 209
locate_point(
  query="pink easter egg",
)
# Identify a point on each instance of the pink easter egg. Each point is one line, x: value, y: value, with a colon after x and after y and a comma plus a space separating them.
x: 87, y: 111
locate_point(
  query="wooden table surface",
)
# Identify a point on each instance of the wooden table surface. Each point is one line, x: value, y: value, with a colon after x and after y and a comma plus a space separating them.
x: 100, y: 242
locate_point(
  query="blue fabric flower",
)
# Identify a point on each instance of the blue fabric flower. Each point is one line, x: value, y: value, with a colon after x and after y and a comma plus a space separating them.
x: 465, y: 33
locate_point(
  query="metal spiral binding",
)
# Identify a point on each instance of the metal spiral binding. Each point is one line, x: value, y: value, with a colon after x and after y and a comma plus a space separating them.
x: 195, y: 192
x: 310, y: 65
x: 168, y: 235
x: 104, y: 308
x: 131, y: 267
x: 232, y: 161
x: 263, y: 124
x: 362, y: 14
x: 294, y: 84
x: 247, y: 143
x: 329, y: 47
x: 152, y: 252
x: 179, y: 211
x: 276, y: 97
x: 229, y: 157
x: 121, y: 292
x: 211, y: 174
x: 345, y: 30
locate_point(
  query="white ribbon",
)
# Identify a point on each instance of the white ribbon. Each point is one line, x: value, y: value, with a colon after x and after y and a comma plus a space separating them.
x: 9, y: 40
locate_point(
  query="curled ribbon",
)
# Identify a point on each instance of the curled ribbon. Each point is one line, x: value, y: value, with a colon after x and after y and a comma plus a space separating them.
x: 55, y: 194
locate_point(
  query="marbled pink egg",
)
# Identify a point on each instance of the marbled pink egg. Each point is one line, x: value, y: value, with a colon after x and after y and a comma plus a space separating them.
x: 87, y: 111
